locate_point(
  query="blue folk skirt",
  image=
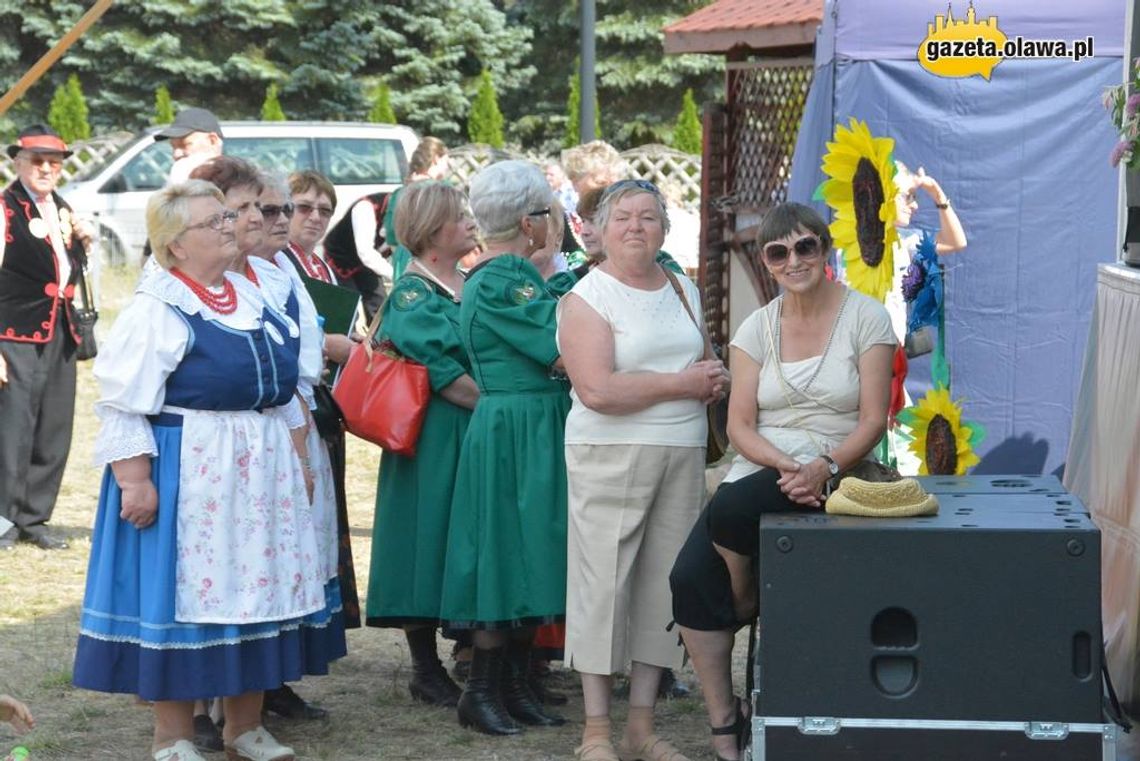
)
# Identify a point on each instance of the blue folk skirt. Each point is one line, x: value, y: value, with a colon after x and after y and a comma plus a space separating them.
x: 129, y: 640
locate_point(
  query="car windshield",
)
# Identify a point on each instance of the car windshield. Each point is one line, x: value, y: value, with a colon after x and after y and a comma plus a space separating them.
x: 95, y: 167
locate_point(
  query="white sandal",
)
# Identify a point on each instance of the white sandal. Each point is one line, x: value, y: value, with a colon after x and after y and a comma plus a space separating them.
x: 183, y: 750
x: 258, y: 745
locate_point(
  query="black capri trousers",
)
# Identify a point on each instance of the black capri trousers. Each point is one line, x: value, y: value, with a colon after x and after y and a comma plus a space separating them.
x: 702, y: 591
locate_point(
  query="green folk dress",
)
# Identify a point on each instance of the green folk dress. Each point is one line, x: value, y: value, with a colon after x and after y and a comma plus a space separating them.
x: 413, y: 498
x: 506, y: 550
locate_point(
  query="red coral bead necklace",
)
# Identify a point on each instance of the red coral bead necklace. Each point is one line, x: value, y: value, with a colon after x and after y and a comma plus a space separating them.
x: 222, y: 303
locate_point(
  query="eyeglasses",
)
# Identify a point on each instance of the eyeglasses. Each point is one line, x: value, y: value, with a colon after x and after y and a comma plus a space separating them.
x: 305, y: 209
x: 37, y: 159
x: 806, y: 248
x: 272, y: 210
x: 645, y: 185
x: 215, y: 222
x: 540, y: 213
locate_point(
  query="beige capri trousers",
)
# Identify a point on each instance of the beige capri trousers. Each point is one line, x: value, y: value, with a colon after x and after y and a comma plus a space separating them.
x: 631, y: 507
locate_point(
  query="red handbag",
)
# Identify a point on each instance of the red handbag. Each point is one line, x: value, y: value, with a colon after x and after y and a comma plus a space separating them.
x: 383, y: 395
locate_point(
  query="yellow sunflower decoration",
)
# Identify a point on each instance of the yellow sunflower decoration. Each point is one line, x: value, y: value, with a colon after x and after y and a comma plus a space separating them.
x: 861, y: 190
x: 942, y: 442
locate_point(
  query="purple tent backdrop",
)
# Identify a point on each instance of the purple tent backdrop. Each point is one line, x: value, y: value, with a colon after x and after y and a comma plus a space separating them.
x: 1024, y: 159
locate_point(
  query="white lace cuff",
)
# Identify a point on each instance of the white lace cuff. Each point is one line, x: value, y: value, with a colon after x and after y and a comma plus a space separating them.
x: 123, y: 435
x: 291, y: 413
x: 305, y: 390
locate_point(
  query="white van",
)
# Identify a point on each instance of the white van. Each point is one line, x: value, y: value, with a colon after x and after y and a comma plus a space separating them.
x: 358, y: 158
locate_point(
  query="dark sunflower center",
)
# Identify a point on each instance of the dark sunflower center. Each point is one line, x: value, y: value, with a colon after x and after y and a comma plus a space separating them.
x: 941, y: 447
x: 868, y: 196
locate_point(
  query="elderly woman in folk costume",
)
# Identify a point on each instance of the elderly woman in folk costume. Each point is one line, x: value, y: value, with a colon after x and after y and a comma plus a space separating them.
x: 506, y: 551
x: 414, y: 493
x: 205, y: 489
x: 277, y: 210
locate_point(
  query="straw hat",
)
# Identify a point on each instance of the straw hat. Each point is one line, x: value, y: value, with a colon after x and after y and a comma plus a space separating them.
x: 890, y: 499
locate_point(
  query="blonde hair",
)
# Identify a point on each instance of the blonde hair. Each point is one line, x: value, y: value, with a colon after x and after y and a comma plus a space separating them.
x: 168, y: 214
x: 598, y: 160
x: 556, y: 228
x: 422, y: 209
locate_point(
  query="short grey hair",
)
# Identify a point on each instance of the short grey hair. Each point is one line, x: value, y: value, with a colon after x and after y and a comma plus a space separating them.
x: 168, y: 214
x: 623, y: 189
x: 505, y: 192
x: 275, y: 181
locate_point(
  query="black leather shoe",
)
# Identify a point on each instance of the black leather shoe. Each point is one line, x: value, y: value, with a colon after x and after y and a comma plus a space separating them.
x: 206, y: 735
x: 518, y: 697
x: 481, y: 704
x: 289, y: 705
x: 45, y: 542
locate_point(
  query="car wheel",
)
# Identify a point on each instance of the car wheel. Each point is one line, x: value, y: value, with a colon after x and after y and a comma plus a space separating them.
x: 111, y: 248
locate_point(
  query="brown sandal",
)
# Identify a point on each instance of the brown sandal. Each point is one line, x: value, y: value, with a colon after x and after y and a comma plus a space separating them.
x: 654, y: 748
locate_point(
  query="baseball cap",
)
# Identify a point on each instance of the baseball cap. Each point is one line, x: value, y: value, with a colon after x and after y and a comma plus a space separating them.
x: 191, y: 120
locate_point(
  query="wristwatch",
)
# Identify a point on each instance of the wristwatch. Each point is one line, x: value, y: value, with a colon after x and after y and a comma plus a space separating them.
x: 832, y: 465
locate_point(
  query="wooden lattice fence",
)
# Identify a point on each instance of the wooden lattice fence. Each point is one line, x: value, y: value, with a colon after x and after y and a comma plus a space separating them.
x: 87, y: 154
x: 659, y: 164
x: 765, y: 105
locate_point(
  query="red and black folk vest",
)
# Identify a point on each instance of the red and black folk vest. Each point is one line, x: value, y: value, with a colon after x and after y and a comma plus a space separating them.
x: 340, y: 243
x: 30, y: 296
x: 340, y: 252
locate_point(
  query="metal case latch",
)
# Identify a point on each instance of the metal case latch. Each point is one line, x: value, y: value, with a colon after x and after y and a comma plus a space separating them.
x: 819, y: 725
x: 1046, y: 730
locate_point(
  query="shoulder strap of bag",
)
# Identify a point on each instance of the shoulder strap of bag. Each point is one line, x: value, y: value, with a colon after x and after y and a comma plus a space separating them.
x: 370, y: 334
x: 709, y: 353
x: 84, y: 291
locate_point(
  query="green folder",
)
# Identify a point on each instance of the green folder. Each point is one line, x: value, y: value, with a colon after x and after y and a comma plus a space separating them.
x: 335, y: 303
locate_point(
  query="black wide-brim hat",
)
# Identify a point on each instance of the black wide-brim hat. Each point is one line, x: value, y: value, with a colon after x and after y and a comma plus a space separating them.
x: 38, y: 138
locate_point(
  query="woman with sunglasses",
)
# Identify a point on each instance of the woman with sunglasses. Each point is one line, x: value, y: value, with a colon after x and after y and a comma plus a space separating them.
x: 635, y: 438
x: 326, y: 630
x: 199, y: 577
x: 811, y: 382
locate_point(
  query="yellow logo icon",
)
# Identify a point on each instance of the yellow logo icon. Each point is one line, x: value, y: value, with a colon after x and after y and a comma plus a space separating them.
x: 962, y: 48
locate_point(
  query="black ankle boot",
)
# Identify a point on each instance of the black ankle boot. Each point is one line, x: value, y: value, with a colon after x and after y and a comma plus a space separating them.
x: 540, y: 684
x: 430, y: 683
x: 481, y: 704
x: 518, y: 697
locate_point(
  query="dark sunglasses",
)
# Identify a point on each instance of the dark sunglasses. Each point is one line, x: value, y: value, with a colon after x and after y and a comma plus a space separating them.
x: 539, y: 212
x: 807, y: 247
x: 272, y: 210
x: 305, y: 209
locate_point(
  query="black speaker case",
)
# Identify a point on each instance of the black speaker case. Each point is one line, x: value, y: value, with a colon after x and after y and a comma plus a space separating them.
x: 1006, y: 485
x: 1032, y: 524
x: 784, y: 739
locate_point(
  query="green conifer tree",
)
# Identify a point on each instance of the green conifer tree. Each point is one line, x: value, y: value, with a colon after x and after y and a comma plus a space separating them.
x: 485, y: 121
x: 271, y: 110
x: 381, y: 111
x: 68, y: 111
x: 687, y: 132
x: 163, y: 107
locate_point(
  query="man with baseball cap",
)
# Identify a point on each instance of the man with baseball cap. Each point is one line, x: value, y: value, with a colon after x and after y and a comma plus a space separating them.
x: 195, y: 137
x: 42, y: 253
